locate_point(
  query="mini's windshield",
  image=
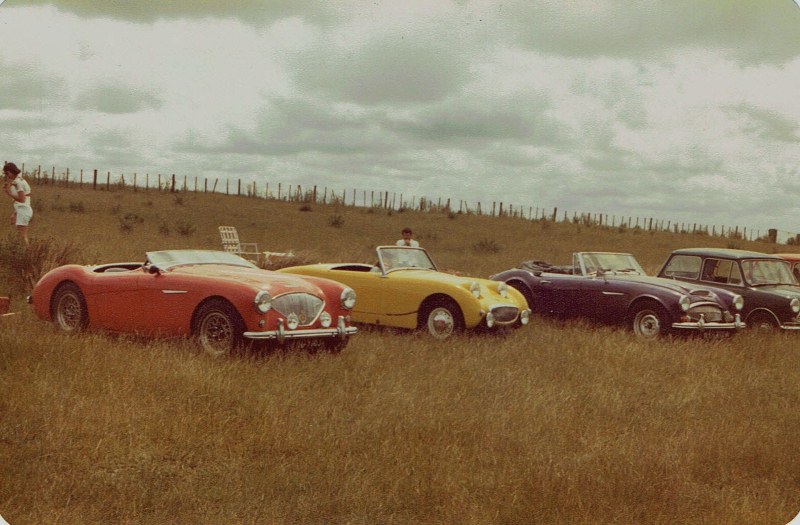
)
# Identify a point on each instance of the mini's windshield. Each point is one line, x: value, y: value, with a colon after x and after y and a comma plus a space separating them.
x: 760, y: 272
x: 399, y: 258
x: 169, y: 258
x: 620, y: 263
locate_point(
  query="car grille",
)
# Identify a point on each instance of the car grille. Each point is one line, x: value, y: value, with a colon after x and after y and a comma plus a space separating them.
x: 505, y: 314
x: 711, y: 313
x: 305, y: 306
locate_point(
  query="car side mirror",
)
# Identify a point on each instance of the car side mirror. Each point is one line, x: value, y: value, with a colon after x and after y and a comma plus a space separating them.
x: 153, y: 269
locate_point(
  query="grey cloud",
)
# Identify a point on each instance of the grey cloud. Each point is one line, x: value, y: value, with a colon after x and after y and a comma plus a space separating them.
x: 767, y: 125
x: 27, y: 89
x: 114, y: 99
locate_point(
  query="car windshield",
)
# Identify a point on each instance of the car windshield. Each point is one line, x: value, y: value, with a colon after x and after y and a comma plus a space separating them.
x: 169, y: 258
x: 400, y: 258
x: 620, y: 263
x: 760, y: 272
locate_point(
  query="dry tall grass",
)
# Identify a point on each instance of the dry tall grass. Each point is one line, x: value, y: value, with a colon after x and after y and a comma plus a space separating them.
x: 555, y: 423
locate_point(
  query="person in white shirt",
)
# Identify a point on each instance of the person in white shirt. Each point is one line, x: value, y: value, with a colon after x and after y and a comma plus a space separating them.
x: 407, y: 240
x: 20, y: 192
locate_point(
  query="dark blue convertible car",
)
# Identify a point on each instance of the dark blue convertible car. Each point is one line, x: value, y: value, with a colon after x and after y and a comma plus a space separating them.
x: 613, y: 287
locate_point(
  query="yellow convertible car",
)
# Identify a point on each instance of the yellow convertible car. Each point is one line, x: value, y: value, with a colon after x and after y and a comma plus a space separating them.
x: 405, y: 290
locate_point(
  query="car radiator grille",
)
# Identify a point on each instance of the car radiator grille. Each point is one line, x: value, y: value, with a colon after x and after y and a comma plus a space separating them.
x: 505, y: 314
x: 710, y: 313
x: 305, y: 306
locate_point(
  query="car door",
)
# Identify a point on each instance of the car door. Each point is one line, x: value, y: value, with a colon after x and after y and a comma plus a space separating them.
x: 559, y: 294
x: 603, y: 298
x: 369, y: 288
x: 112, y: 298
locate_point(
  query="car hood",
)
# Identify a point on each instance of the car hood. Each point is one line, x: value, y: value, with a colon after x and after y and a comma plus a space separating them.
x: 276, y: 283
x: 680, y: 287
x: 788, y: 291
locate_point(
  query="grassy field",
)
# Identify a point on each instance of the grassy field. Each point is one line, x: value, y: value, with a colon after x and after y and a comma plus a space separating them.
x: 554, y: 423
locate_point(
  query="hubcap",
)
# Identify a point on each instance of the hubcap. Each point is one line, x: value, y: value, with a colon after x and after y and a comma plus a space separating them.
x: 647, y: 325
x: 441, y: 323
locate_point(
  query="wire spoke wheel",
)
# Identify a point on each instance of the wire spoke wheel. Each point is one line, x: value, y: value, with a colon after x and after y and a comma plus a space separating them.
x: 218, y: 328
x: 69, y: 309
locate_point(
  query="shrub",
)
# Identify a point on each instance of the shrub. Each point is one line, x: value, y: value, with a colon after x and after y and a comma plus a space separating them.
x: 295, y: 259
x: 486, y: 246
x: 185, y: 228
x: 127, y: 222
x: 336, y: 221
x: 178, y: 200
x: 77, y: 207
x: 305, y: 207
x: 163, y: 229
x: 30, y: 262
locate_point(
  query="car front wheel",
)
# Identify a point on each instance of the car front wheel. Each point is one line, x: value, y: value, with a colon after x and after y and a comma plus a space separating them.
x: 218, y: 328
x: 763, y: 322
x: 650, y: 321
x: 69, y: 308
x: 443, y: 319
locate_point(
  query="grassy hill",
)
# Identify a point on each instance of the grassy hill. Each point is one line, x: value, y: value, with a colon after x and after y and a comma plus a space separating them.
x: 555, y: 423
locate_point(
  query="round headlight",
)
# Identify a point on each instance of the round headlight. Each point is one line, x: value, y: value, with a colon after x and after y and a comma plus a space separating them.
x: 475, y: 289
x: 684, y: 302
x: 325, y: 319
x: 738, y: 302
x: 263, y: 301
x: 348, y: 298
x: 502, y: 289
x: 292, y: 321
x: 795, y: 305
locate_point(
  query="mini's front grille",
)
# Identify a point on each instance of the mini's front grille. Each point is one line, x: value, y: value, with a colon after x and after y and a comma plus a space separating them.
x: 710, y: 313
x: 505, y: 314
x: 305, y: 306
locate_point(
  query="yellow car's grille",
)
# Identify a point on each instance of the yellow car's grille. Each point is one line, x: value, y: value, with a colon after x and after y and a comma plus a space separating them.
x: 305, y: 306
x: 505, y: 314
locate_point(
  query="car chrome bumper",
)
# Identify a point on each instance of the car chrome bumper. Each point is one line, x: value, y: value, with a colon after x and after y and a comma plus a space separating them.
x: 707, y: 325
x: 790, y: 326
x: 282, y: 333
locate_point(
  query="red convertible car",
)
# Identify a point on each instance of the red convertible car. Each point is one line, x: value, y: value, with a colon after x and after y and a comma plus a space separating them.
x: 216, y: 297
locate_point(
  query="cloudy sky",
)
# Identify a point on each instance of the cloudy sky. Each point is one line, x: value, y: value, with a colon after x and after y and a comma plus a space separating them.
x: 681, y: 110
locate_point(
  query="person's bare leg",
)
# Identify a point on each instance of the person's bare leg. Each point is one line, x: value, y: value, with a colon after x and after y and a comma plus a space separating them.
x: 23, y: 234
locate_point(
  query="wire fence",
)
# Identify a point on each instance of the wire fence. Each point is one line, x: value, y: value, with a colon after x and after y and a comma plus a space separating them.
x: 388, y: 200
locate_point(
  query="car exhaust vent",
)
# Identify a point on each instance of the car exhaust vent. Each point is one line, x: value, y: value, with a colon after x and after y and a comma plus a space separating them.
x: 505, y: 314
x: 305, y: 306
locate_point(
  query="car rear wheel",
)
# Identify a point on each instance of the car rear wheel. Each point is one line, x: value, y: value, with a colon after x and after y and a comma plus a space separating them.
x: 218, y: 328
x: 763, y: 322
x: 443, y: 318
x: 650, y: 321
x: 68, y: 308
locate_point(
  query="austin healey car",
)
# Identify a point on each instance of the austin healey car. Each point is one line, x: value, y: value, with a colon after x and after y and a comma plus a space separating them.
x: 613, y: 287
x: 216, y: 297
x: 771, y: 293
x: 404, y: 289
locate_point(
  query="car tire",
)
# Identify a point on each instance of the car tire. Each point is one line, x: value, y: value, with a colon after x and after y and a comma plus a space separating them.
x: 68, y: 308
x: 649, y: 321
x: 762, y: 322
x: 442, y: 318
x: 218, y: 328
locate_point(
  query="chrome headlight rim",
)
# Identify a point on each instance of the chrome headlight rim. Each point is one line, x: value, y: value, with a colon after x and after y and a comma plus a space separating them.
x: 794, y: 304
x: 475, y: 289
x: 348, y: 298
x: 738, y: 302
x: 685, y: 303
x: 325, y: 319
x: 292, y: 321
x: 263, y: 301
x: 502, y: 289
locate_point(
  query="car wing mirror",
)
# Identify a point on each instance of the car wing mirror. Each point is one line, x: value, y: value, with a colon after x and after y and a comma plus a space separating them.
x: 153, y: 269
